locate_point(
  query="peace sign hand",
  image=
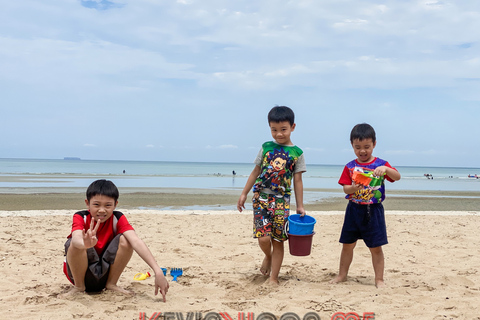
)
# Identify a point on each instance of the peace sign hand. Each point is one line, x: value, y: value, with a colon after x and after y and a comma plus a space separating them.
x: 90, y: 237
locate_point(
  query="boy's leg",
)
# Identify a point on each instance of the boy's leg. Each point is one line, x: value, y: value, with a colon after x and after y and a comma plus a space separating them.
x: 77, y: 261
x: 277, y: 259
x: 378, y: 262
x: 279, y: 219
x: 262, y: 227
x: 123, y: 256
x: 346, y: 258
x: 265, y: 244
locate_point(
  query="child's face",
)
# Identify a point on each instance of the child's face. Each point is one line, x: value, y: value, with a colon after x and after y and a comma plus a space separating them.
x: 101, y: 207
x: 278, y: 164
x: 363, y: 149
x: 281, y: 131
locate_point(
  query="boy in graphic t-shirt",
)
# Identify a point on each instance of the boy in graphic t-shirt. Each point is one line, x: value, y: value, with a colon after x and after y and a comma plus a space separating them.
x: 277, y: 164
x: 363, y: 182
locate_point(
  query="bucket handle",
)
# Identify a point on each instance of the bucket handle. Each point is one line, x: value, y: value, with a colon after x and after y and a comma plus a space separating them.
x: 286, y: 229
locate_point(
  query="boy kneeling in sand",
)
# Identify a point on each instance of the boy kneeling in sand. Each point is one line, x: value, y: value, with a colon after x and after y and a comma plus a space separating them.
x: 101, y: 244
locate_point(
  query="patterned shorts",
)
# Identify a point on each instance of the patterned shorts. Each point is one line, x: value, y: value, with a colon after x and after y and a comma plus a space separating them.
x: 270, y: 213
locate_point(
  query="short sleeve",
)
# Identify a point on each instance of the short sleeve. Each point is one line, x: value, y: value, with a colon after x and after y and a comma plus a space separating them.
x: 345, y: 179
x: 300, y: 165
x: 259, y: 159
x: 123, y: 225
x: 386, y: 176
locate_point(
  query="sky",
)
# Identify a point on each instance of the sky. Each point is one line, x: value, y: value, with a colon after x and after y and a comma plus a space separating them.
x: 192, y: 80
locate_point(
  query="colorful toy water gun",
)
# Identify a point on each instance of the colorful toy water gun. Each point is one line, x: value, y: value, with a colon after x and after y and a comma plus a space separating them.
x: 141, y: 276
x: 367, y: 179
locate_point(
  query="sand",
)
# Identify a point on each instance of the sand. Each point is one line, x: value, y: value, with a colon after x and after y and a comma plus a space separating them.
x: 431, y: 267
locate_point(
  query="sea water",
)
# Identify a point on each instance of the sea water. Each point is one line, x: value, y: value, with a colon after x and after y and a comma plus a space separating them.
x: 40, y: 173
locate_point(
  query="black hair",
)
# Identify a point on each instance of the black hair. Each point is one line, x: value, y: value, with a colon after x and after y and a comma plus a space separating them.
x: 363, y: 131
x: 280, y: 114
x: 102, y: 187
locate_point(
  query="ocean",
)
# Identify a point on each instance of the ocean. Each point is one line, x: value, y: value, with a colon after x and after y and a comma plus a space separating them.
x: 41, y: 173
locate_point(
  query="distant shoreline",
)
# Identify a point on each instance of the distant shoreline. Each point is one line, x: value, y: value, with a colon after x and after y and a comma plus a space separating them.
x: 218, y: 199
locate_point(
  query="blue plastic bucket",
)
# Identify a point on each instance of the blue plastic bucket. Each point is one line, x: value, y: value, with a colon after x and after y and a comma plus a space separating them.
x: 298, y: 225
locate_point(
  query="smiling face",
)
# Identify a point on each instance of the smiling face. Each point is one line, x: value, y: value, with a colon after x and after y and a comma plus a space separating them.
x: 281, y: 132
x: 101, y: 207
x: 363, y: 149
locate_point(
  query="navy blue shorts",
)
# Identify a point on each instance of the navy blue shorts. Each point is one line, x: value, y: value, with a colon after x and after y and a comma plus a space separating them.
x: 365, y: 222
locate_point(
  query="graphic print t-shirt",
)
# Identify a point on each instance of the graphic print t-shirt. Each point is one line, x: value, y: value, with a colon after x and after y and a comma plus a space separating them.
x: 368, y: 194
x: 278, y: 164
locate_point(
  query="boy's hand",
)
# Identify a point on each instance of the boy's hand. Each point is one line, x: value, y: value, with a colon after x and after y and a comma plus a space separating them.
x: 352, y: 188
x: 380, y: 171
x: 241, y: 202
x: 90, y: 237
x: 301, y: 212
x: 162, y: 284
x: 357, y: 187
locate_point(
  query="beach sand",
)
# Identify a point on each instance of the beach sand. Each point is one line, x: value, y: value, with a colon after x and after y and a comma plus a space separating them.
x: 431, y: 264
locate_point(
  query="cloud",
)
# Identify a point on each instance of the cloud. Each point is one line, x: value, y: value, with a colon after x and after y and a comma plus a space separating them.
x: 100, y: 4
x: 170, y: 68
x: 97, y: 65
x: 431, y: 152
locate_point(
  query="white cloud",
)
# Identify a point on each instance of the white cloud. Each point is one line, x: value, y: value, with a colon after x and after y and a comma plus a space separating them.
x: 184, y: 69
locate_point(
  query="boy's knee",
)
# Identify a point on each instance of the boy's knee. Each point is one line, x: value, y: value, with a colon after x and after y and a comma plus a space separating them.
x: 349, y: 246
x: 124, y: 244
x: 376, y: 250
x: 264, y: 240
x: 74, y: 251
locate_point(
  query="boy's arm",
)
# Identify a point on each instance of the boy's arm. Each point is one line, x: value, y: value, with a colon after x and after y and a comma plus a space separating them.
x: 142, y: 250
x: 390, y: 172
x: 248, y: 186
x: 298, y: 189
x: 85, y: 240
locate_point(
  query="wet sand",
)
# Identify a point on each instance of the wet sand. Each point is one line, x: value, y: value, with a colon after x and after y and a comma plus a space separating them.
x: 167, y: 198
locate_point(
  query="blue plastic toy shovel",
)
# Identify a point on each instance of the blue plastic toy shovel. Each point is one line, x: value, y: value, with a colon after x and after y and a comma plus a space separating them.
x: 176, y: 272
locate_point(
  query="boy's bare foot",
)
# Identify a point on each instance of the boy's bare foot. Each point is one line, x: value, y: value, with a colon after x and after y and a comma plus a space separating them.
x: 74, y: 290
x: 380, y: 284
x: 116, y: 288
x: 338, y: 279
x: 266, y: 266
x: 273, y: 282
